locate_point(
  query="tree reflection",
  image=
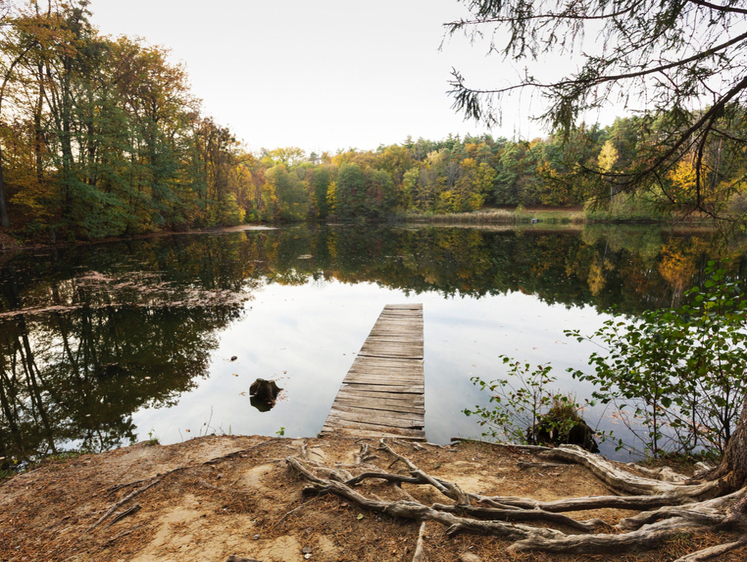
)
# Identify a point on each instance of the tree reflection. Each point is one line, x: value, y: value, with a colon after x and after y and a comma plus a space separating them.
x: 89, y: 335
x: 98, y: 347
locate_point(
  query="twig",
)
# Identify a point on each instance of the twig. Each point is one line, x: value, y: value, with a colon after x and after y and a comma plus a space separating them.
x: 113, y: 489
x: 134, y: 509
x: 123, y: 501
x: 242, y: 451
x: 120, y: 535
x: 208, y: 462
x: 419, y: 548
x: 713, y: 551
x: 447, y: 447
x: 292, y: 511
x: 523, y: 465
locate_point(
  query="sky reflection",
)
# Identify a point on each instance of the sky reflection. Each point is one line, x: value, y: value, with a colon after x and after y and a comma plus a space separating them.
x: 306, y: 337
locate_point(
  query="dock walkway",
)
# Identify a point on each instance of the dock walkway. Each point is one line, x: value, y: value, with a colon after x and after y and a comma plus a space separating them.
x: 383, y: 393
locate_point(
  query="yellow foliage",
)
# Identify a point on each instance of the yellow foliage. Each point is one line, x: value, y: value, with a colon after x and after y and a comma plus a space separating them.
x: 683, y: 177
x: 677, y: 268
x: 332, y: 196
x: 607, y: 156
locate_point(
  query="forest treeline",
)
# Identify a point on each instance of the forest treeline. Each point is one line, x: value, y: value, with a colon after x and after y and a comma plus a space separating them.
x: 102, y: 137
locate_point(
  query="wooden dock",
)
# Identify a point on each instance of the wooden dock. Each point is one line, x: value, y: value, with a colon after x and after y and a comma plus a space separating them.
x: 383, y: 393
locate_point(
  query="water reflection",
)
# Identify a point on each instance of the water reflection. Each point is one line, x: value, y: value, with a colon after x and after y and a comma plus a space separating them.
x: 100, y: 344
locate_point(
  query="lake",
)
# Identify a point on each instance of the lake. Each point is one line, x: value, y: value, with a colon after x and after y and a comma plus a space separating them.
x: 106, y: 344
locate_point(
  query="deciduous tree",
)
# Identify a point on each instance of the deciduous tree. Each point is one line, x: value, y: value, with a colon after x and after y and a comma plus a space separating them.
x: 683, y: 61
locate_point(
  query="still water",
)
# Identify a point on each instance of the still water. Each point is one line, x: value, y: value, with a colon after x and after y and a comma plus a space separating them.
x: 107, y: 344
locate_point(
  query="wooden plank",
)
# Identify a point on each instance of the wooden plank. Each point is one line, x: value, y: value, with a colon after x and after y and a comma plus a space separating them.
x: 410, y: 376
x: 378, y: 417
x: 400, y: 389
x: 376, y: 433
x: 358, y: 422
x: 387, y: 345
x: 385, y: 417
x: 385, y: 377
x: 365, y: 394
x: 381, y: 404
x: 382, y: 393
x: 401, y: 406
x: 378, y: 382
x: 386, y: 363
x: 381, y: 338
x: 374, y: 368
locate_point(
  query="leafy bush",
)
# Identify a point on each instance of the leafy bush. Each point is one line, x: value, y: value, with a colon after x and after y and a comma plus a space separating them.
x: 524, y: 407
x: 681, y: 372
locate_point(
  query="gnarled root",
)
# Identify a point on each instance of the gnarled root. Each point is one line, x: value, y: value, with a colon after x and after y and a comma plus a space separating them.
x: 667, y: 509
x: 625, y: 482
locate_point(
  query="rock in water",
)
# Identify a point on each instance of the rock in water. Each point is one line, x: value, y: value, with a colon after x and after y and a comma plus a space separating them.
x: 263, y: 394
x: 550, y: 430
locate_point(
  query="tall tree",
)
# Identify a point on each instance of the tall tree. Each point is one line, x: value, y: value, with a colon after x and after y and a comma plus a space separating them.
x: 14, y: 49
x: 677, y: 55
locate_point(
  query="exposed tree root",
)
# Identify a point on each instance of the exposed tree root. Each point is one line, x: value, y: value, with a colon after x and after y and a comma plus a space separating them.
x: 535, y: 515
x: 419, y: 554
x: 581, y: 504
x: 526, y: 465
x: 713, y: 552
x: 292, y: 511
x: 123, y: 501
x: 625, y: 482
x: 662, y: 473
x: 667, y: 505
x: 129, y: 511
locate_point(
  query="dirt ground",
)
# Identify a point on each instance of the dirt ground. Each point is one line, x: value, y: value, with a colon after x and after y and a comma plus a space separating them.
x: 213, y: 497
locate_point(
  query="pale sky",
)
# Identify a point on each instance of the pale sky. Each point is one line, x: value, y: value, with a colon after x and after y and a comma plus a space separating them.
x: 321, y: 75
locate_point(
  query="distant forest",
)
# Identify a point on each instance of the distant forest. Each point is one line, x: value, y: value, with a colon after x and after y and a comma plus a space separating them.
x: 101, y: 137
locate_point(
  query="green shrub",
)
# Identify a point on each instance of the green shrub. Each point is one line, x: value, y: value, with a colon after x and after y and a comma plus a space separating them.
x: 680, y: 373
x: 523, y: 407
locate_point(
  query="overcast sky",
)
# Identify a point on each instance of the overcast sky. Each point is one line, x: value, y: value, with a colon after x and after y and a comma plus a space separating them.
x: 324, y: 74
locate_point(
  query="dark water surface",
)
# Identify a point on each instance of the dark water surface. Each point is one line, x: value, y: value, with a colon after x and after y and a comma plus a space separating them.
x: 107, y: 344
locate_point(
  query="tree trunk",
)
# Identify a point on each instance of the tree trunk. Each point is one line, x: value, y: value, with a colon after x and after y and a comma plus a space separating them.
x: 733, y: 465
x: 4, y: 221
